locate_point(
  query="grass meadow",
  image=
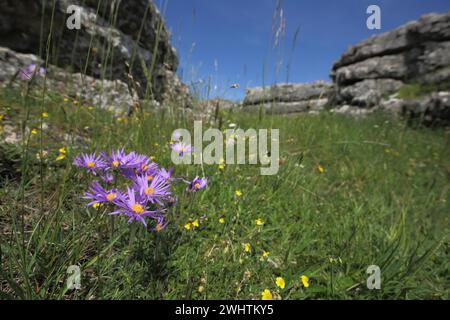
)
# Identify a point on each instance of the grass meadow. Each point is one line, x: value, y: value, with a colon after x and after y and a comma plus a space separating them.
x: 349, y: 193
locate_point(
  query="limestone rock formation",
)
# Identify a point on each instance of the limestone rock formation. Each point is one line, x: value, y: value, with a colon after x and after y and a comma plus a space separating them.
x: 418, y: 52
x: 106, y: 94
x: 288, y: 98
x: 118, y: 40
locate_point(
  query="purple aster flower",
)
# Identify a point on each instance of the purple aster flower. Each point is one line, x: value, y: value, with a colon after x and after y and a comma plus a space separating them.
x: 166, y: 174
x: 140, y: 165
x: 197, y: 184
x: 29, y: 71
x: 182, y: 148
x: 171, y: 201
x: 160, y: 224
x: 107, y: 177
x: 119, y: 159
x: 134, y: 206
x: 91, y: 162
x: 155, y: 190
x: 99, y: 195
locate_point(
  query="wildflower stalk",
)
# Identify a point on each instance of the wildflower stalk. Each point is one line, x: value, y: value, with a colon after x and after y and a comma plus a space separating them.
x: 131, y: 239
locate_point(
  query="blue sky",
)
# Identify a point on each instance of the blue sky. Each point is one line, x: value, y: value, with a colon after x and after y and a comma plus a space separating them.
x: 231, y: 41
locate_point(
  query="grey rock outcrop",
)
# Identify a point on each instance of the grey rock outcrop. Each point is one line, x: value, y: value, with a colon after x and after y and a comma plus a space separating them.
x: 288, y: 98
x: 106, y: 94
x: 418, y: 52
x: 118, y: 40
x: 430, y: 109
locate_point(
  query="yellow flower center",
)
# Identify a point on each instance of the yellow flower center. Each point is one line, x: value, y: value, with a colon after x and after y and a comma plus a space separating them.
x: 90, y: 164
x: 149, y: 191
x: 110, y: 196
x: 137, y: 208
x: 182, y: 149
x: 115, y: 163
x: 144, y: 167
x: 197, y: 185
x: 158, y: 227
x: 149, y: 178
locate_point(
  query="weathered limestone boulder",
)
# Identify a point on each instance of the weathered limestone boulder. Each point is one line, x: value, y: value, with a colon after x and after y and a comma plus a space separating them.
x: 106, y: 94
x: 118, y: 40
x: 430, y: 109
x: 418, y: 52
x: 288, y: 98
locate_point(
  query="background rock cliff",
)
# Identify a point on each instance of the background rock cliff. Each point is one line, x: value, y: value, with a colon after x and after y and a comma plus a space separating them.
x: 418, y: 52
x: 118, y: 40
x: 405, y: 71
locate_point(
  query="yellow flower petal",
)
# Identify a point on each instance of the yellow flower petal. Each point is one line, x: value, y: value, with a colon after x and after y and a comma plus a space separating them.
x: 266, y: 295
x: 279, y: 281
x: 187, y: 226
x: 222, y: 220
x: 305, y: 281
x: 320, y: 168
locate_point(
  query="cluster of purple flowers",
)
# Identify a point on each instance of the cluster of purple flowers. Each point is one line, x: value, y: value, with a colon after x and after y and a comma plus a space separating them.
x: 148, y: 191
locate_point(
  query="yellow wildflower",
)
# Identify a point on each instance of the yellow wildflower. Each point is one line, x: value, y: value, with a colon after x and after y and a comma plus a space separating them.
x: 60, y: 157
x: 279, y: 281
x: 266, y: 295
x: 247, y: 247
x: 238, y: 193
x: 195, y: 223
x: 66, y: 99
x: 320, y: 168
x: 62, y: 150
x: 97, y: 205
x: 222, y: 220
x: 187, y: 226
x: 221, y: 166
x: 259, y: 222
x: 266, y: 253
x: 305, y: 281
x: 34, y: 131
x: 44, y: 114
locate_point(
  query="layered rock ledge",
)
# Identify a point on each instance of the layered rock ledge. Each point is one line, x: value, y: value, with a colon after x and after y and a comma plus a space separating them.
x: 418, y: 52
x: 288, y: 98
